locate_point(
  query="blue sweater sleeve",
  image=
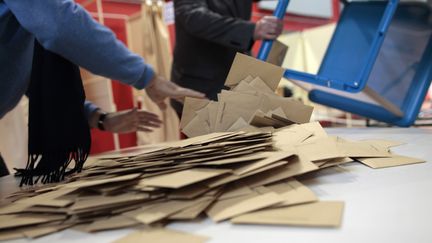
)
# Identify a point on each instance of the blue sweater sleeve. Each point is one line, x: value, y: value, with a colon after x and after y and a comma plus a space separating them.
x: 89, y: 108
x: 65, y: 28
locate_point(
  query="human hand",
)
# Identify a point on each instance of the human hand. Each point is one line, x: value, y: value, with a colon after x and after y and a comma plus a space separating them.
x: 268, y: 27
x: 159, y: 89
x: 131, y: 121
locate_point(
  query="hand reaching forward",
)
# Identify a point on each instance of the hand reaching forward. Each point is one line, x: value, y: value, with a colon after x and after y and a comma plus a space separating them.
x: 131, y: 121
x: 159, y: 89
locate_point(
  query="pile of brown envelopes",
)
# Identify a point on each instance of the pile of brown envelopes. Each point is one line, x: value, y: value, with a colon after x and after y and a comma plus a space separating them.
x: 250, y: 105
x: 243, y: 177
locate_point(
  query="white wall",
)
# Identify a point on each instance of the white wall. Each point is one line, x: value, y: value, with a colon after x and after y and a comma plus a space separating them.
x: 314, y: 8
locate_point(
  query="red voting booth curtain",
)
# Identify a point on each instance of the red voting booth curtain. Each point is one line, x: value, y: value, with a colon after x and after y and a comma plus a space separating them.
x: 123, y: 98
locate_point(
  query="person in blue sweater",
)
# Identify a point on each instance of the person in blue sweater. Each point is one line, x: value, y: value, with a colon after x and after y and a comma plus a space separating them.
x: 66, y: 29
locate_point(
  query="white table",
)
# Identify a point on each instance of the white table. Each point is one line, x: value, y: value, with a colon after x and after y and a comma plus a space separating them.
x: 387, y: 205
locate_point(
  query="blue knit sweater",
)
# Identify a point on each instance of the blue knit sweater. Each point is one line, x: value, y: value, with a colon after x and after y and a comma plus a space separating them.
x: 65, y: 28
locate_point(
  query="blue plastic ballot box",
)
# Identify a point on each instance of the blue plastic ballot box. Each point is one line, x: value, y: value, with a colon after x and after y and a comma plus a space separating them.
x: 378, y: 63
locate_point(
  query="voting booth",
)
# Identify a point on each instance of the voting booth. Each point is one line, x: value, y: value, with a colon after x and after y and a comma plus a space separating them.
x: 378, y: 63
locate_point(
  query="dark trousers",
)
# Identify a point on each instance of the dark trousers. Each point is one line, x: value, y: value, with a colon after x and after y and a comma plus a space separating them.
x: 3, y: 169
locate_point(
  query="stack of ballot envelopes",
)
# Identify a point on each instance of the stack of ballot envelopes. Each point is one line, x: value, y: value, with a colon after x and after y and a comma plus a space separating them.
x: 246, y: 176
x: 243, y: 177
x: 249, y: 104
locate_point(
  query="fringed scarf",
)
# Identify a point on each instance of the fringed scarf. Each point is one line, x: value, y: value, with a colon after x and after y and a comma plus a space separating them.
x: 58, y: 129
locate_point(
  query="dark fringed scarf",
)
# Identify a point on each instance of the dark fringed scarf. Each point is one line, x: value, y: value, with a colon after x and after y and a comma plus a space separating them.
x: 58, y: 129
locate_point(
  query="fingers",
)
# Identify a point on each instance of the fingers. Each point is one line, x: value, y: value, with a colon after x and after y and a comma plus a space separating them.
x: 145, y: 115
x: 144, y: 129
x: 184, y: 92
x: 162, y: 89
x: 155, y: 121
x: 269, y: 27
x: 149, y: 124
x: 270, y: 36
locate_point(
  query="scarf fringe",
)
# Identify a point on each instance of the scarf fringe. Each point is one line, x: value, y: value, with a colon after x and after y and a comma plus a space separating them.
x: 33, y: 174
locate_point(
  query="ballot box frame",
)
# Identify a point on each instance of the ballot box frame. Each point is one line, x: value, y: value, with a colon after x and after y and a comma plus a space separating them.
x: 366, y: 30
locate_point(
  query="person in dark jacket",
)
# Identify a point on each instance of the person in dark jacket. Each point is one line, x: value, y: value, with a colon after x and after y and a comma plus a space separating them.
x: 208, y: 35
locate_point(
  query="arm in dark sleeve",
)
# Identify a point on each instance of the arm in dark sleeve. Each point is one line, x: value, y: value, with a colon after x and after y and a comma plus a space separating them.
x: 198, y: 20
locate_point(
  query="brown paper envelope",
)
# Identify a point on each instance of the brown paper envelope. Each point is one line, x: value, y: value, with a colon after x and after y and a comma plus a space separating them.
x: 42, y: 209
x: 13, y: 208
x: 277, y: 53
x: 45, y: 230
x: 204, y: 114
x: 244, y: 65
x: 230, y: 115
x: 47, y: 196
x: 100, y: 202
x: 296, y: 111
x: 11, y: 235
x: 334, y: 162
x: 252, y: 157
x: 395, y: 160
x: 48, y: 199
x: 164, y: 210
x: 212, y: 137
x: 319, y: 214
x: 272, y: 158
x: 321, y: 149
x: 248, y: 79
x: 194, y: 211
x: 279, y: 114
x: 293, y: 192
x: 134, y: 151
x: 56, y: 203
x: 233, y: 157
x: 238, y: 125
x: 189, y: 192
x: 196, y: 127
x: 265, y: 121
x: 219, y: 115
x: 282, y: 119
x: 244, y: 100
x: 232, y: 178
x: 246, y: 88
x: 12, y: 221
x: 247, y: 141
x: 316, y: 129
x: 383, y: 143
x: 191, y: 105
x: 237, y: 189
x: 229, y: 208
x: 251, y: 128
x: 161, y: 236
x: 253, y: 148
x: 296, y: 166
x: 213, y: 109
x: 261, y: 86
x: 116, y: 222
x: 361, y: 149
x: 90, y: 183
x: 286, y: 138
x: 152, y: 217
x: 183, y: 178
